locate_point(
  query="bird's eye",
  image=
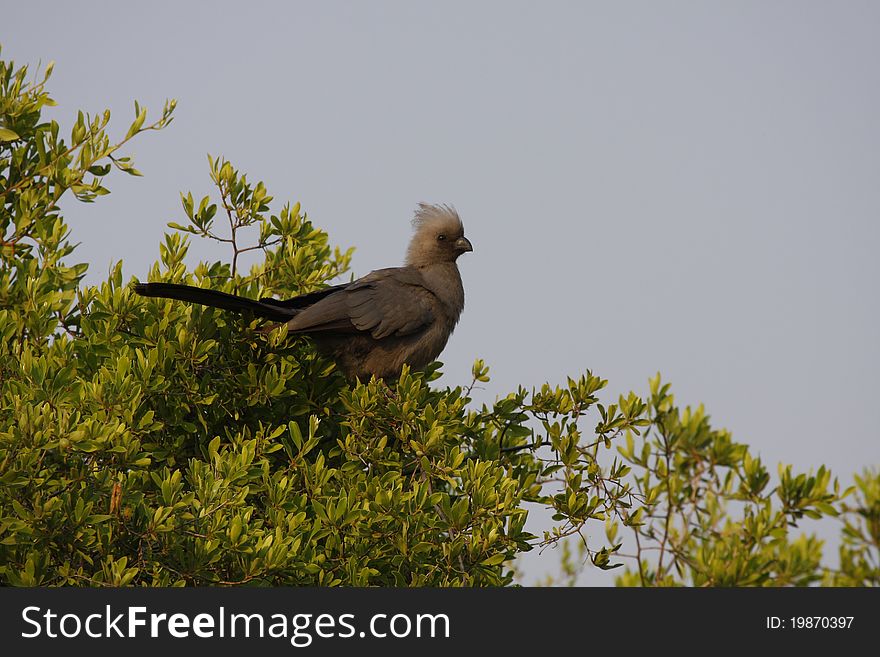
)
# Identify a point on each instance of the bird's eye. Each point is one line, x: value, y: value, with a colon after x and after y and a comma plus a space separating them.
x: 440, y: 238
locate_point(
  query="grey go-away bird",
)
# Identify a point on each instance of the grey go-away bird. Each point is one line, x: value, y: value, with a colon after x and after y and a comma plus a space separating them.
x: 376, y: 324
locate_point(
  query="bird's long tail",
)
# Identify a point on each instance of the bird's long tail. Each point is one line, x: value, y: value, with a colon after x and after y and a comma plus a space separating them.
x: 214, y: 299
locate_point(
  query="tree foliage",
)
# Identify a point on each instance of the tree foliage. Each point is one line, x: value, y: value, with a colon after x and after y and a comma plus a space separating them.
x: 151, y: 442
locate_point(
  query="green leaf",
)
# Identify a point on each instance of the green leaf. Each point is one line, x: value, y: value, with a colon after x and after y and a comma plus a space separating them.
x: 494, y: 560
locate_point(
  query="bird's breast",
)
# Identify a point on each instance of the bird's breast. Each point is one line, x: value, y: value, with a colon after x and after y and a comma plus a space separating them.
x: 444, y: 282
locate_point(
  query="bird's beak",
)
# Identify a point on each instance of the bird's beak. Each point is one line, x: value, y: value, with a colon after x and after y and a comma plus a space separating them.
x: 463, y: 244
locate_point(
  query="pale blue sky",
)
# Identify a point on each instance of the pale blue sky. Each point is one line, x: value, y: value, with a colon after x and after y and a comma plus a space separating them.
x: 689, y: 187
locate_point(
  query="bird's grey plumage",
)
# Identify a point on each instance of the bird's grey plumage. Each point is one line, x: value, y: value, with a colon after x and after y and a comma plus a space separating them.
x: 378, y: 323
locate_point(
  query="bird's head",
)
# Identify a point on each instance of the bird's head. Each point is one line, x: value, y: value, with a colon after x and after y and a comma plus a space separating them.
x: 439, y: 236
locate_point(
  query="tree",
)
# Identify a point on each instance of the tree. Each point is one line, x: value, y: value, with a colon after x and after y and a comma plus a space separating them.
x: 149, y: 442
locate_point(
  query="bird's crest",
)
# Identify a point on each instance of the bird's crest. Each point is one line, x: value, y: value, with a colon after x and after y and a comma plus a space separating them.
x: 427, y: 214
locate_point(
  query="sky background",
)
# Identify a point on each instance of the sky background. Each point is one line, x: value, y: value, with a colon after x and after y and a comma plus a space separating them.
x: 684, y: 187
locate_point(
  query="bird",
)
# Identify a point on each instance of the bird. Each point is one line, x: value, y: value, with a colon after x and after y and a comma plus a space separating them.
x: 376, y: 324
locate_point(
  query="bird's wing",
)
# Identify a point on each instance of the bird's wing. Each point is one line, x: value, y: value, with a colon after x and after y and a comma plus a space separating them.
x: 391, y: 302
x: 385, y: 302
